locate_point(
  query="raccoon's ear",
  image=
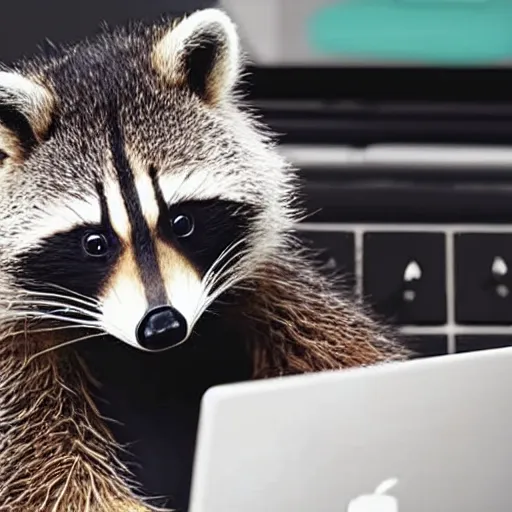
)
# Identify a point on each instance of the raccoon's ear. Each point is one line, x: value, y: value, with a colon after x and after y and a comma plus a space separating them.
x: 25, y: 115
x: 201, y: 51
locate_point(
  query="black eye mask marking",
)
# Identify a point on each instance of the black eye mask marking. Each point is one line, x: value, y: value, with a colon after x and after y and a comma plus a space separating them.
x: 61, y: 260
x: 65, y: 259
x: 216, y: 225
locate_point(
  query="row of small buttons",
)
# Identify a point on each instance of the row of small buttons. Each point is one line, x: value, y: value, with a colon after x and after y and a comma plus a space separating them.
x: 448, y: 291
x: 404, y: 274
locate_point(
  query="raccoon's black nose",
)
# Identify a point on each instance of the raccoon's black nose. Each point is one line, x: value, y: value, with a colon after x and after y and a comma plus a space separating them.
x: 160, y: 328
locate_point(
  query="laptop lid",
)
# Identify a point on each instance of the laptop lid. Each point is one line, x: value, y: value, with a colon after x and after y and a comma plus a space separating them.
x: 421, y: 436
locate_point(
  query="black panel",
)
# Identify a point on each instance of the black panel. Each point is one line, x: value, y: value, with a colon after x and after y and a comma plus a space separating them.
x: 387, y: 258
x: 470, y: 343
x: 395, y: 195
x: 427, y: 345
x: 368, y: 105
x: 334, y: 251
x: 481, y: 298
x: 372, y: 86
x: 361, y: 132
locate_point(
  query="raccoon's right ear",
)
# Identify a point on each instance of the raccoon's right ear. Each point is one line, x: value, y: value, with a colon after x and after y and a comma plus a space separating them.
x: 201, y: 52
x: 25, y: 115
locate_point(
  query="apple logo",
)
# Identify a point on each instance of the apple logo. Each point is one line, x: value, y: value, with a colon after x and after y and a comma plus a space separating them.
x: 378, y: 501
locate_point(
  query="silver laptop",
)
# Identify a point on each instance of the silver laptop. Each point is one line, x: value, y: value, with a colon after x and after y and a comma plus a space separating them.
x: 431, y: 435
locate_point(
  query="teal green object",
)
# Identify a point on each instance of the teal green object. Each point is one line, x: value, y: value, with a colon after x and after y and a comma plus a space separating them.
x: 455, y: 32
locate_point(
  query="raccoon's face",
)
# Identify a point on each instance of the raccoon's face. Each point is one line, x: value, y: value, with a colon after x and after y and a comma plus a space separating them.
x: 132, y: 190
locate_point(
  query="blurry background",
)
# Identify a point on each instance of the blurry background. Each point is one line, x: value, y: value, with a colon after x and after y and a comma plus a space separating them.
x: 398, y: 114
x: 30, y: 23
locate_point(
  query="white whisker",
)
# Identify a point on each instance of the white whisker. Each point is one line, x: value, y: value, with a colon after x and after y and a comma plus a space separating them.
x: 233, y: 268
x: 91, y: 302
x: 210, y: 277
x: 224, y: 287
x: 221, y: 256
x: 69, y: 308
x: 53, y: 329
x: 228, y: 285
x: 215, y: 272
x: 220, y: 272
x: 40, y: 315
x: 71, y: 292
x: 61, y: 345
x: 218, y: 280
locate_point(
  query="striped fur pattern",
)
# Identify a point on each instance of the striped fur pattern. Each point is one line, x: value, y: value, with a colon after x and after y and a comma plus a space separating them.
x: 105, y: 149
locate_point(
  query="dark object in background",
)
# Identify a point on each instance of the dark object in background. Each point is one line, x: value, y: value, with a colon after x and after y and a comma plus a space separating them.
x: 335, y: 253
x: 483, y: 279
x: 470, y: 343
x: 27, y: 24
x: 427, y: 345
x: 404, y: 276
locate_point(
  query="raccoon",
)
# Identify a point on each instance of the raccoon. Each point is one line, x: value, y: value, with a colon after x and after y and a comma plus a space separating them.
x: 143, y: 207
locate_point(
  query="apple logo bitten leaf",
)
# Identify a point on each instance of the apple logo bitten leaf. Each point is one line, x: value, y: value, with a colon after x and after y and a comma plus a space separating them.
x: 386, y: 486
x: 378, y: 501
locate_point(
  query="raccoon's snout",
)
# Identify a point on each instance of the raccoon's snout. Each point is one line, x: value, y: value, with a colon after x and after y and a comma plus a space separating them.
x: 161, y: 328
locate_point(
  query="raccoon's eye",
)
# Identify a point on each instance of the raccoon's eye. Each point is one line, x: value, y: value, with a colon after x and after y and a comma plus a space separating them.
x: 95, y: 244
x: 182, y: 225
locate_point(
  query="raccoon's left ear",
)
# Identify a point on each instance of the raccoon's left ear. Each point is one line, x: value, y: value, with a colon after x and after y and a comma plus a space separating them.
x: 25, y: 114
x: 201, y: 52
